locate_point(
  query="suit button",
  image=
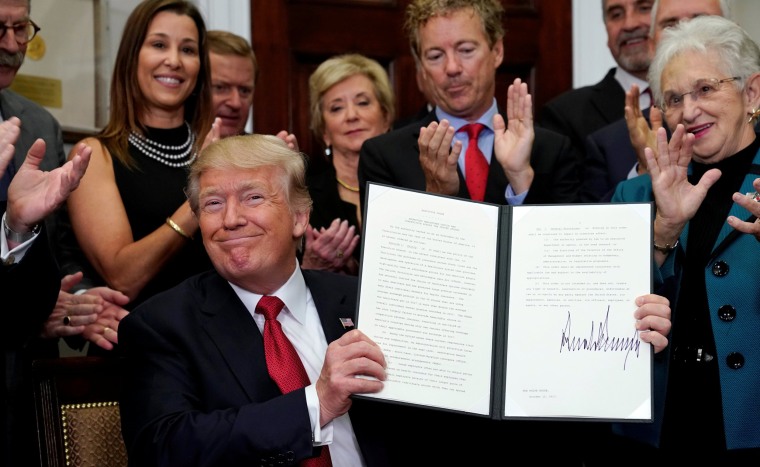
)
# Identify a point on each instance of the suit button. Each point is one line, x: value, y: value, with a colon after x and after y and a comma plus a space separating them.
x: 735, y: 360
x: 720, y: 268
x: 727, y: 313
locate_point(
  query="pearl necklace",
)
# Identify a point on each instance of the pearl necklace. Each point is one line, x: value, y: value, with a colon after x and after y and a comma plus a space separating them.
x: 173, y: 156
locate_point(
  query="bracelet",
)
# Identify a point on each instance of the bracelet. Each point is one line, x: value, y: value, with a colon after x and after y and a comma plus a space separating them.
x: 665, y: 249
x: 177, y: 228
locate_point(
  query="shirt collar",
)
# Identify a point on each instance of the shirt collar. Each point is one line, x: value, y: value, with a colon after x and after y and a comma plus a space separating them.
x: 626, y: 80
x: 292, y: 293
x: 486, y: 119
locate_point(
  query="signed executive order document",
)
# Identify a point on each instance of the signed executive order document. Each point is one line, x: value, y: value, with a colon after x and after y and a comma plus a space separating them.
x: 508, y: 311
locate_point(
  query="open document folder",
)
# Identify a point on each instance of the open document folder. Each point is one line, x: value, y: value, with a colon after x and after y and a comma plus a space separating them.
x: 509, y: 312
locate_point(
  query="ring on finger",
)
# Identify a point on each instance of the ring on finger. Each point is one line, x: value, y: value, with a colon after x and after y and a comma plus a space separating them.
x: 67, y: 320
x: 106, y: 329
x: 339, y: 254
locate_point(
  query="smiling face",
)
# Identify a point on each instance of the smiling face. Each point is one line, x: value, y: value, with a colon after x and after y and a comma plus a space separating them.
x: 352, y: 114
x: 627, y: 23
x: 11, y: 53
x: 718, y: 121
x: 232, y: 82
x: 458, y: 64
x: 248, y: 228
x: 168, y: 66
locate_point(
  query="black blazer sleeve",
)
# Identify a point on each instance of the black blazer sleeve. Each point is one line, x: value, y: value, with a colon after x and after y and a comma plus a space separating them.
x: 29, y: 289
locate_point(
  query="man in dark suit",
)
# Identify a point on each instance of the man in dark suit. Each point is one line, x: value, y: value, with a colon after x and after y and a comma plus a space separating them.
x: 615, y: 152
x: 26, y: 259
x: 200, y: 386
x: 233, y: 80
x: 579, y: 112
x: 18, y: 435
x: 459, y: 49
x: 26, y: 263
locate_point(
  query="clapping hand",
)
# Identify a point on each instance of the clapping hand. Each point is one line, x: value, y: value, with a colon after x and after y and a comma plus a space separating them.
x: 676, y: 198
x: 639, y: 130
x: 9, y: 131
x: 751, y: 202
x: 331, y: 248
x: 438, y: 158
x: 513, y: 143
x: 34, y: 194
x: 289, y: 138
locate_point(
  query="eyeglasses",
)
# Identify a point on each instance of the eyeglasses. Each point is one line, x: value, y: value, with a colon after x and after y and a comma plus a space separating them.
x: 704, y: 89
x: 22, y: 32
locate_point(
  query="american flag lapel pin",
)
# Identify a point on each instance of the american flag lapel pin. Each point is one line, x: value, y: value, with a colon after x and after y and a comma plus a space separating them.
x: 347, y: 323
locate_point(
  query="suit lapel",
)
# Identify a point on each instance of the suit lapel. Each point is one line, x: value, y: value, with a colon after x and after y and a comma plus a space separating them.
x: 10, y: 107
x: 230, y: 326
x: 332, y: 303
x: 607, y: 96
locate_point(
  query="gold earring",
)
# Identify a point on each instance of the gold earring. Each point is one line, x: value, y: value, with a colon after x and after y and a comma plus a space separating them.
x: 753, y: 116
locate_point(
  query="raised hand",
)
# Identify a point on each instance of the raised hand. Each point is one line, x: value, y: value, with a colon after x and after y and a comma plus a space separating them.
x: 642, y: 135
x: 331, y: 248
x: 289, y: 138
x: 9, y: 131
x: 354, y: 364
x: 214, y: 134
x: 513, y: 142
x: 676, y: 198
x: 34, y: 194
x: 439, y: 159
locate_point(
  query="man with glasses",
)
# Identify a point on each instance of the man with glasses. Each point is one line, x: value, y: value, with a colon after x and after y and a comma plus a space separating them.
x: 615, y: 153
x: 19, y: 444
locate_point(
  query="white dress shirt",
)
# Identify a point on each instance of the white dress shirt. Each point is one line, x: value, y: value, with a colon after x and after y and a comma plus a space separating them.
x: 301, y: 324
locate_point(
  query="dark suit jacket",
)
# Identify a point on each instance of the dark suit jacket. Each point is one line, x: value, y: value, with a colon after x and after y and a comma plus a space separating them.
x: 609, y: 159
x: 393, y: 159
x: 36, y: 122
x: 24, y: 312
x: 29, y: 289
x: 197, y: 389
x: 579, y: 112
x: 419, y: 115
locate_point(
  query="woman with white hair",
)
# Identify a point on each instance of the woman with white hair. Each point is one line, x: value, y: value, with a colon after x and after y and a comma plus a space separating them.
x: 704, y: 182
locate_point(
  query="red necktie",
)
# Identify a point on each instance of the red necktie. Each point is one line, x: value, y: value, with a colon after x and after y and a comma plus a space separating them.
x: 284, y: 364
x: 475, y: 163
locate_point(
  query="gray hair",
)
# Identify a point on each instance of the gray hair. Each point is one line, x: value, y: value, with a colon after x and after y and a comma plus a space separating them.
x: 252, y: 152
x: 739, y: 55
x: 725, y: 11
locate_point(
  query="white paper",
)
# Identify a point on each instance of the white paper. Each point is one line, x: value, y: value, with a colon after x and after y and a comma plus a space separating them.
x: 573, y: 350
x: 428, y: 293
x: 424, y: 299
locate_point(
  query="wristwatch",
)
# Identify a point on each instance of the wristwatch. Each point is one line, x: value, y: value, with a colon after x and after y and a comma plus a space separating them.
x: 13, y: 236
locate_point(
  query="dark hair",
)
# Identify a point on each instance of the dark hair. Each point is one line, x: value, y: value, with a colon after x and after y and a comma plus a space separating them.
x: 128, y: 101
